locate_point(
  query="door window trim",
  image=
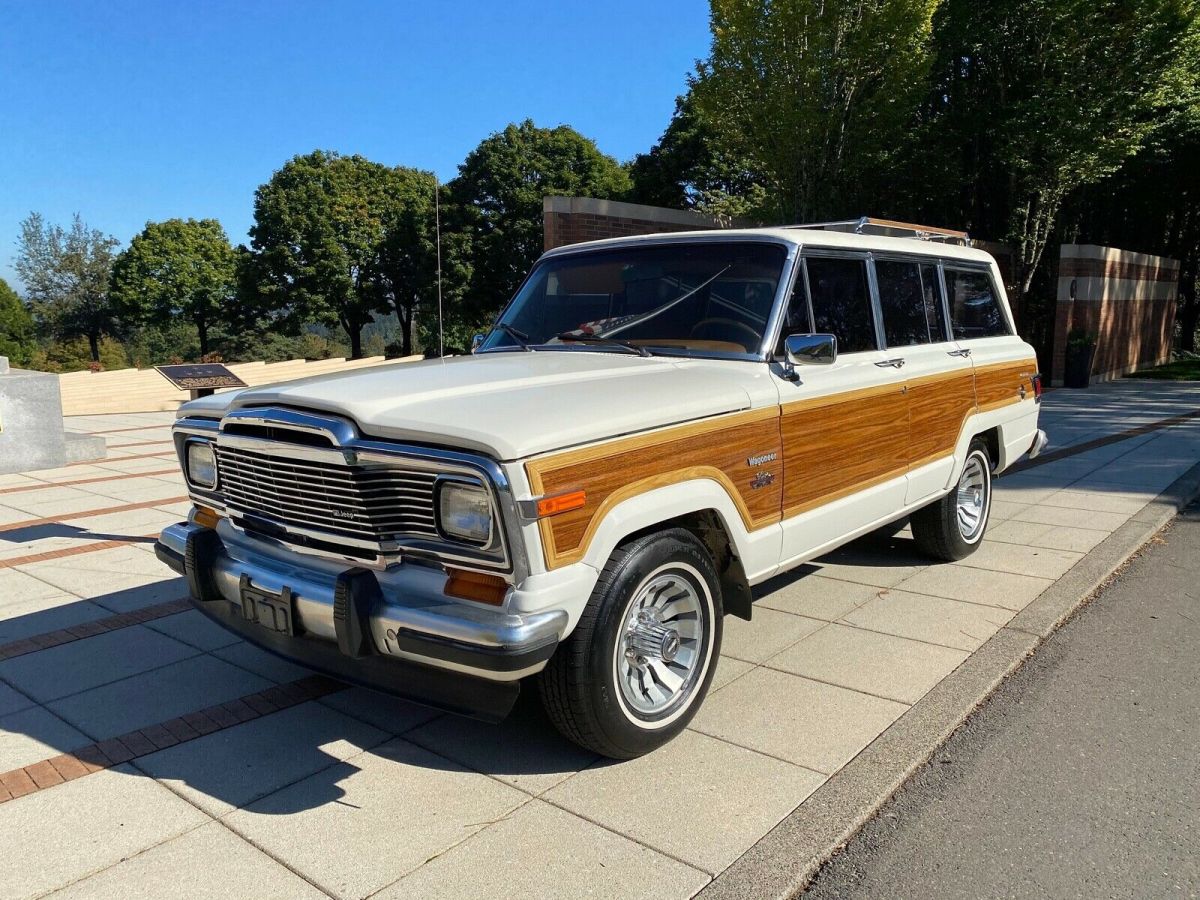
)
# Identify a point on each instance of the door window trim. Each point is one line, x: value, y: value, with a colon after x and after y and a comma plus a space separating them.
x: 939, y: 285
x: 864, y: 256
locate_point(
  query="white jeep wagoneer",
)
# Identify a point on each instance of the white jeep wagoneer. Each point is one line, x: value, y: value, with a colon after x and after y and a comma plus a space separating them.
x: 653, y: 426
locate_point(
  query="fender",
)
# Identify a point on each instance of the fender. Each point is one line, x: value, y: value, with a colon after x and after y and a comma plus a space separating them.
x: 757, y: 550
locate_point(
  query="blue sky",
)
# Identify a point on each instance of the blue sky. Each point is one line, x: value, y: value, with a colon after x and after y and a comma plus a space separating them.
x: 133, y: 111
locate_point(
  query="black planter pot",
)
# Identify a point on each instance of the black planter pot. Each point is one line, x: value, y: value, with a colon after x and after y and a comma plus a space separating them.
x: 1079, y: 365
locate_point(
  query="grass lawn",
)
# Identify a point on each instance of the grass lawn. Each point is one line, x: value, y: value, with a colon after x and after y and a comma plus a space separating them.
x: 1178, y: 370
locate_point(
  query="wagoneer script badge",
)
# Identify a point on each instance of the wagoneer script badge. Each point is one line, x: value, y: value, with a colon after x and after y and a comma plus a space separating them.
x: 761, y: 460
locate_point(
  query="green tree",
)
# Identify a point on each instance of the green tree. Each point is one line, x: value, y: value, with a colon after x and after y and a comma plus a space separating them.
x: 318, y: 227
x: 1041, y: 97
x: 403, y: 274
x: 497, y: 203
x: 690, y: 168
x: 817, y: 94
x: 177, y: 269
x: 16, y: 327
x: 66, y: 275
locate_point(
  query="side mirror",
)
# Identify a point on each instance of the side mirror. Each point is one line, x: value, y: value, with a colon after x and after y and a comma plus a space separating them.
x: 476, y: 342
x: 810, y: 349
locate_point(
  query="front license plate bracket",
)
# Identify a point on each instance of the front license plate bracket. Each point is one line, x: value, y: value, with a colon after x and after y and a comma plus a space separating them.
x: 275, y: 612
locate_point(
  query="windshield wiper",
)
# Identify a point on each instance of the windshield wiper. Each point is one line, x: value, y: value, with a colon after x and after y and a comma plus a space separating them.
x: 515, y: 333
x: 597, y: 339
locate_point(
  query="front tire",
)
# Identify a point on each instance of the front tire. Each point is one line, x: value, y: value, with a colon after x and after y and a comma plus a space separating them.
x: 953, y: 527
x: 638, y: 665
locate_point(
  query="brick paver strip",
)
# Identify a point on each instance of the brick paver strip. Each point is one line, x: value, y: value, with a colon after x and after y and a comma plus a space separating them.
x: 165, y: 440
x: 88, y: 513
x: 89, y: 629
x: 93, y: 462
x: 73, y: 551
x: 119, y: 430
x: 46, y: 485
x: 48, y: 773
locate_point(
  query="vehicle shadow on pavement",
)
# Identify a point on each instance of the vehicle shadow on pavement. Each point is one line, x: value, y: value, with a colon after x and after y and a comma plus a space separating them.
x: 32, y: 533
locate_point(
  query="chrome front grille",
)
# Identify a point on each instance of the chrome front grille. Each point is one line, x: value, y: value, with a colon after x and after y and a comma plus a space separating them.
x: 371, y: 505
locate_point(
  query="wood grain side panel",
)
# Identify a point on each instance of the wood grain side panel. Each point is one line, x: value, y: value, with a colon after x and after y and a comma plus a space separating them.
x: 716, y: 449
x: 842, y: 443
x: 999, y: 384
x: 939, y: 405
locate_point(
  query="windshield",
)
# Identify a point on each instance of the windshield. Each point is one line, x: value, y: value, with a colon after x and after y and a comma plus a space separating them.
x: 706, y: 298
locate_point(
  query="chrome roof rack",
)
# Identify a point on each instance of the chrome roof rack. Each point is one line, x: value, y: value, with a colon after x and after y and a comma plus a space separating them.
x: 889, y: 228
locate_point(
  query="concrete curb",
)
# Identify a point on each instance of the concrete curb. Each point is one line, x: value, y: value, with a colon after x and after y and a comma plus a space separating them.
x: 783, y: 862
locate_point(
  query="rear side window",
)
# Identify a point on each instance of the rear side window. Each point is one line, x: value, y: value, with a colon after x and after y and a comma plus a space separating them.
x: 974, y: 308
x: 841, y: 302
x: 910, y: 302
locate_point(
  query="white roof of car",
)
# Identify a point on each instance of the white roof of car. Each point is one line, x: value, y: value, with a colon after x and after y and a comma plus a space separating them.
x: 800, y: 237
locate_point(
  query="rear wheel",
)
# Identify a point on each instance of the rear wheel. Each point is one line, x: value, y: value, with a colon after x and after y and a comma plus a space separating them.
x: 639, y: 662
x: 953, y: 527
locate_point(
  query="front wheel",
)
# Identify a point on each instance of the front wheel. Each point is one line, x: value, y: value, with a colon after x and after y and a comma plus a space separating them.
x: 639, y: 662
x: 953, y: 527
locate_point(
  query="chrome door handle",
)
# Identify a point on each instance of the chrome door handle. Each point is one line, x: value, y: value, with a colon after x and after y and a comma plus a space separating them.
x: 895, y: 363
x: 964, y: 352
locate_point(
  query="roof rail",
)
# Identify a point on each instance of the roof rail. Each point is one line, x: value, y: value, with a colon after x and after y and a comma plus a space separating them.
x: 889, y: 228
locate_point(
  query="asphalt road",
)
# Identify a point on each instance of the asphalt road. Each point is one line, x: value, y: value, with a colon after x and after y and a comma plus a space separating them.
x: 1080, y: 777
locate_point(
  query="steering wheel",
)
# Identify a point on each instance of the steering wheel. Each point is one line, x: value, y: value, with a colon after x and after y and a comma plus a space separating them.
x: 754, y: 337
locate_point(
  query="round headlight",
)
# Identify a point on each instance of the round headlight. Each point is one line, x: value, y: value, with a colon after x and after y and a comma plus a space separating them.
x: 201, y: 464
x: 465, y: 512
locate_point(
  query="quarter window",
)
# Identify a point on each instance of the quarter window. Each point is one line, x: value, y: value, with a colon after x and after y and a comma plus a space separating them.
x: 910, y: 302
x: 841, y: 302
x: 974, y: 308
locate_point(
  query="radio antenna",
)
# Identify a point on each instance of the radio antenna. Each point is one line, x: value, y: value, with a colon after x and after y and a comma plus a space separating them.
x: 437, y: 225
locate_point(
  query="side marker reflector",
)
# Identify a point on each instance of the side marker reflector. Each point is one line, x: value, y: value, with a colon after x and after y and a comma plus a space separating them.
x: 560, y: 503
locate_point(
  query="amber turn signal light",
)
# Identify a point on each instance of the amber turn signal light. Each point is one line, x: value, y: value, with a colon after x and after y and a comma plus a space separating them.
x: 560, y: 503
x: 477, y: 586
x: 205, y: 517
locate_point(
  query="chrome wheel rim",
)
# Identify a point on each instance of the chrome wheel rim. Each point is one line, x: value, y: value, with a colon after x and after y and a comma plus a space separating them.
x: 972, y: 498
x: 660, y: 654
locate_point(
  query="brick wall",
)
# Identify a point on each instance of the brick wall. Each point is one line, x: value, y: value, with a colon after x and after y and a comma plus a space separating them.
x: 572, y: 220
x: 1126, y: 299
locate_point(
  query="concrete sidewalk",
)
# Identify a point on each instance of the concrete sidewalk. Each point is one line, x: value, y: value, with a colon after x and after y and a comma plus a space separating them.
x: 1078, y: 778
x: 275, y: 784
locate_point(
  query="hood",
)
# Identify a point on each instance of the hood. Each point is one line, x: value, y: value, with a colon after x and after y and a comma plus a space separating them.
x: 513, y: 405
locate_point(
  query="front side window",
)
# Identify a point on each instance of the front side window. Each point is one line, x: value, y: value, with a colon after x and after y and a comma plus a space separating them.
x: 841, y: 302
x: 708, y: 298
x: 910, y: 302
x: 974, y: 308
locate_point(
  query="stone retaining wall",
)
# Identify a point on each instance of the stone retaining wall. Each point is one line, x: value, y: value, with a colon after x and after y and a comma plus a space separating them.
x: 144, y: 390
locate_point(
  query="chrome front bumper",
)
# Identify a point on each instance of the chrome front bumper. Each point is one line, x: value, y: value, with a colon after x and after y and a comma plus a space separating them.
x: 393, y: 630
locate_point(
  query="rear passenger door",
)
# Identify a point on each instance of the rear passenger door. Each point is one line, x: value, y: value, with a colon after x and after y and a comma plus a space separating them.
x: 844, y: 426
x: 938, y: 375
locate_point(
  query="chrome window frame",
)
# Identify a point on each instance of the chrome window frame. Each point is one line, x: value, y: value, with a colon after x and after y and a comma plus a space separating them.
x: 507, y: 558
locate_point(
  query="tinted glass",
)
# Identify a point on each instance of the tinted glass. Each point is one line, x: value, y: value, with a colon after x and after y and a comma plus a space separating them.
x: 795, y: 318
x: 935, y: 310
x: 705, y: 297
x: 974, y: 310
x: 841, y: 302
x: 910, y: 302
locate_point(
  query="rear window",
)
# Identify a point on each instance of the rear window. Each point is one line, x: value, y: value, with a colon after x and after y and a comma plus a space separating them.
x: 974, y: 308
